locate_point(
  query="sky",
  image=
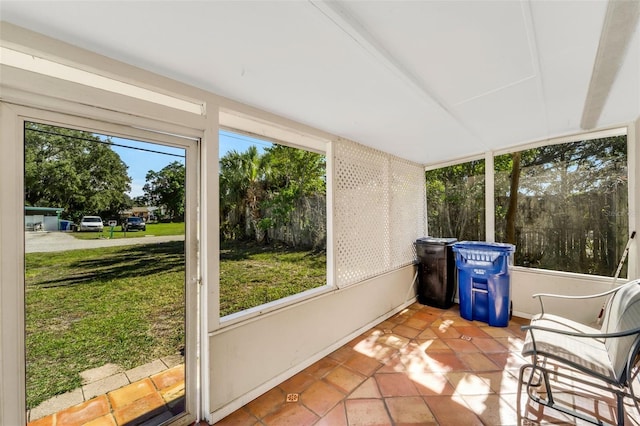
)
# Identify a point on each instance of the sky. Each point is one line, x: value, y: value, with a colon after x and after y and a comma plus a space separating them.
x: 141, y: 157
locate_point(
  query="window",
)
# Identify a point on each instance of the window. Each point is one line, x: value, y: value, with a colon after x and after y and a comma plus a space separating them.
x: 565, y: 206
x: 455, y: 201
x: 272, y: 222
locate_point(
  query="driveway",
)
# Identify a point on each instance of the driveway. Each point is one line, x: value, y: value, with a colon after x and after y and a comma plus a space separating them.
x: 38, y: 242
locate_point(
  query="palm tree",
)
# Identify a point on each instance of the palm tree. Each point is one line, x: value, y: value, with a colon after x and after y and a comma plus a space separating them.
x: 232, y: 194
x: 257, y: 170
x: 243, y: 178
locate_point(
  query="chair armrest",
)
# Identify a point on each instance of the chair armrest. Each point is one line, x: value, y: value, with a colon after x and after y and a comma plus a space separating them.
x: 623, y: 333
x: 540, y: 296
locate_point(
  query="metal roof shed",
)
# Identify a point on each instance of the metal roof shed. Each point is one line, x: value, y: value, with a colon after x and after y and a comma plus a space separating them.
x: 33, y: 213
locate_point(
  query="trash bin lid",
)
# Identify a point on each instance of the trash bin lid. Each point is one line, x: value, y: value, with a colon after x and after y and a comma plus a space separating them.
x: 436, y: 241
x: 484, y: 246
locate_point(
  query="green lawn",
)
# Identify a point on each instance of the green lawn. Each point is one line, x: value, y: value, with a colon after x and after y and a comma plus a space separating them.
x: 153, y: 229
x: 251, y: 274
x: 124, y: 305
x: 86, y: 308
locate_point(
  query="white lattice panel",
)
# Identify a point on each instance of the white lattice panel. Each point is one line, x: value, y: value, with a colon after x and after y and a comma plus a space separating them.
x: 408, y: 210
x: 378, y: 212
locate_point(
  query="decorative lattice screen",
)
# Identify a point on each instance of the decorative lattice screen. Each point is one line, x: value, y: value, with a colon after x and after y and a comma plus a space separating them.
x: 379, y: 211
x: 408, y: 213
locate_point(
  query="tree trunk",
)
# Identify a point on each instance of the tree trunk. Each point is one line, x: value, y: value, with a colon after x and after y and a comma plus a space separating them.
x: 510, y: 233
x: 254, y: 198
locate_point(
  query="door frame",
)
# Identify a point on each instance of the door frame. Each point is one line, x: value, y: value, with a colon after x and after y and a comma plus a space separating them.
x: 12, y: 248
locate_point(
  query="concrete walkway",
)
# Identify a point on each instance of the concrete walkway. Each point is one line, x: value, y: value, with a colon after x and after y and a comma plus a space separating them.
x: 39, y: 242
x: 110, y: 395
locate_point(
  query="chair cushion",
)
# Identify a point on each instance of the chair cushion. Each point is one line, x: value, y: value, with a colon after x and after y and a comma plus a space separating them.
x: 623, y: 313
x: 587, y: 354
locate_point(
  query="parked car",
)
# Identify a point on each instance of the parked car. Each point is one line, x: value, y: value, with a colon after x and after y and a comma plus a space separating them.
x: 91, y: 223
x: 134, y: 223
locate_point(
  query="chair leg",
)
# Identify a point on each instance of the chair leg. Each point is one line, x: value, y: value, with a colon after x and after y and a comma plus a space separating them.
x: 539, y: 377
x: 620, y: 406
x: 633, y: 379
x: 529, y: 384
x: 538, y: 380
x: 547, y: 387
x: 519, y: 394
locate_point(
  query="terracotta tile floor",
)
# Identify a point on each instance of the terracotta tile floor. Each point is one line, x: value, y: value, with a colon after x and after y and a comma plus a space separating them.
x: 424, y: 366
x: 152, y: 400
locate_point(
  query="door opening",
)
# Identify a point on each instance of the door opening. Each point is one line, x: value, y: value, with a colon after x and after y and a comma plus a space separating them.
x: 109, y: 275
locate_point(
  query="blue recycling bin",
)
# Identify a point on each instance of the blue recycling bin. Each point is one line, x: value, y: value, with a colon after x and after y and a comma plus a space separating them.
x: 484, y: 283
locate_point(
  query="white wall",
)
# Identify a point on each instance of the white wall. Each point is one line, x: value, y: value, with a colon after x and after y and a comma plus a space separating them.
x: 51, y: 223
x: 525, y: 283
x: 248, y: 359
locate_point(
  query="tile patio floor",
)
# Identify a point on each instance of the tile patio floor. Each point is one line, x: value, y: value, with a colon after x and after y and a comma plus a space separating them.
x: 150, y: 401
x: 423, y: 366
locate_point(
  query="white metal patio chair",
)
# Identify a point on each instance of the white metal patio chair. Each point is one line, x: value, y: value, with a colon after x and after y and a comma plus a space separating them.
x: 606, y: 358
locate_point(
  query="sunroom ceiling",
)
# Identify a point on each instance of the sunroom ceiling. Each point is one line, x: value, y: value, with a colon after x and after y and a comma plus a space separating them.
x: 429, y: 81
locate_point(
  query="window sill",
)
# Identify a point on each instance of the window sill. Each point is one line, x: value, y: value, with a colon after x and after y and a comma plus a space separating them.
x: 574, y: 275
x: 258, y: 311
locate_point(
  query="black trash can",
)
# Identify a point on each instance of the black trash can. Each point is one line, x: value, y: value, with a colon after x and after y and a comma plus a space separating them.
x: 436, y: 271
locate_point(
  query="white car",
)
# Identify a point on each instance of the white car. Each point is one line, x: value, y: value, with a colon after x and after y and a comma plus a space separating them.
x: 91, y: 223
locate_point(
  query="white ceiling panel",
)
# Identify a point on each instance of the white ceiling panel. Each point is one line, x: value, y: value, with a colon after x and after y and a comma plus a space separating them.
x: 425, y: 80
x: 565, y: 89
x: 564, y: 26
x: 423, y: 132
x: 461, y: 49
x: 507, y: 117
x: 566, y: 49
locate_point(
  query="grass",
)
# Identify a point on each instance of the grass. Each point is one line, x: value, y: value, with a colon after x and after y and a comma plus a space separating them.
x: 153, y: 229
x: 86, y: 308
x: 251, y: 274
x: 125, y: 305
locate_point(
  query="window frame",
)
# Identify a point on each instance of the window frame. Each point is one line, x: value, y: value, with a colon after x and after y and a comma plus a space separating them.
x: 12, y: 298
x: 270, y: 132
x: 632, y: 164
x: 489, y: 222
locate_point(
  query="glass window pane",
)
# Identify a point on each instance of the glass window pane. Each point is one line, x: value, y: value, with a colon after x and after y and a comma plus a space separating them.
x: 565, y: 206
x: 272, y: 222
x: 455, y: 201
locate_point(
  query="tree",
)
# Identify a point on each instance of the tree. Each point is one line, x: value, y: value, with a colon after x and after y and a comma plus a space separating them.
x: 256, y: 172
x: 295, y: 176
x: 566, y: 204
x: 139, y: 201
x: 232, y: 195
x: 513, y: 198
x: 75, y: 170
x: 243, y: 180
x: 455, y: 199
x: 259, y: 192
x: 166, y: 189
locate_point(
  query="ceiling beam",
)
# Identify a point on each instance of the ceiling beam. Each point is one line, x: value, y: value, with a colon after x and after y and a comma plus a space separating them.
x: 620, y: 22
